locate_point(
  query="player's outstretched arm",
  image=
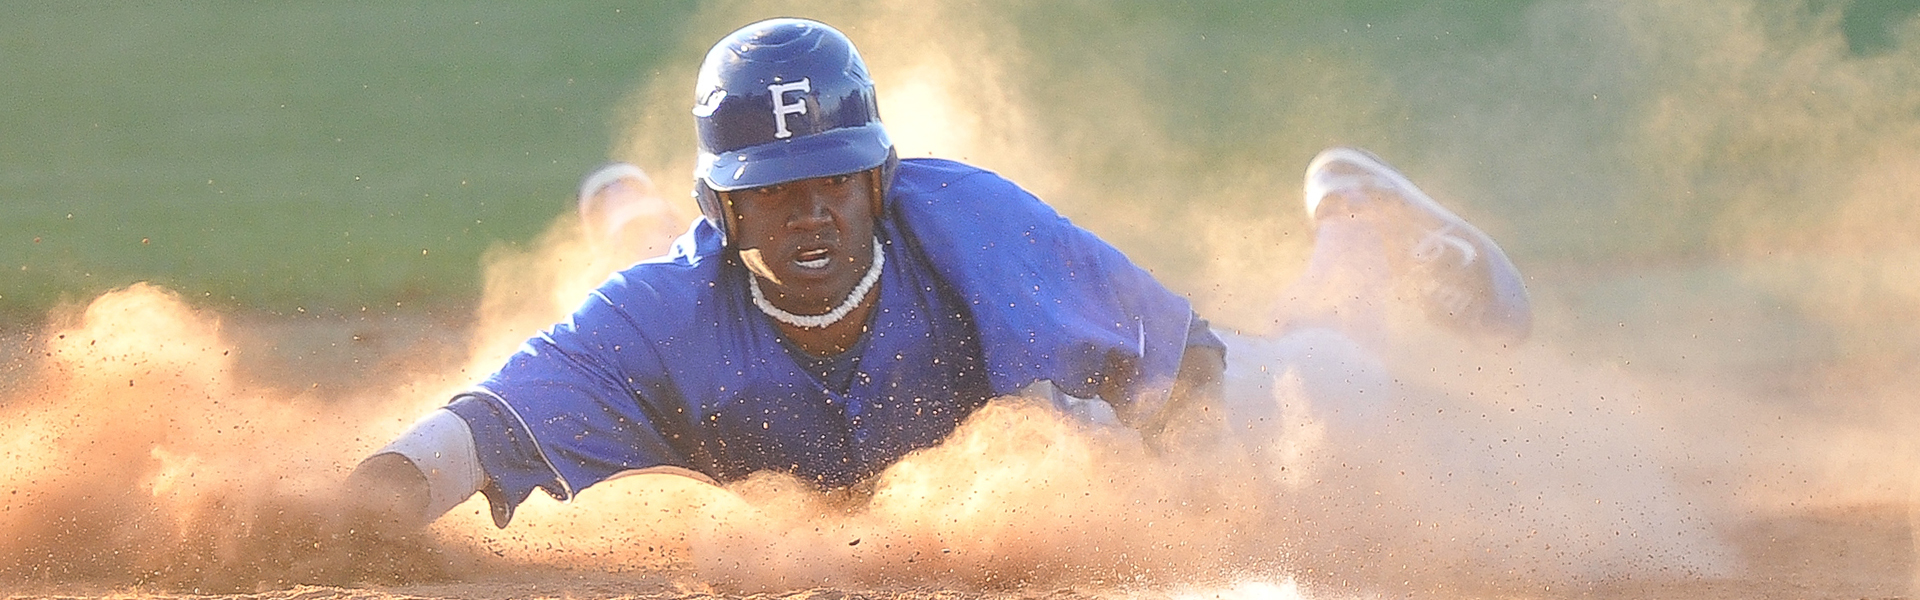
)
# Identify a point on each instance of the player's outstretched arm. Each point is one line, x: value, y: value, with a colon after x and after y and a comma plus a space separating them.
x: 373, y: 528
x: 1199, y: 384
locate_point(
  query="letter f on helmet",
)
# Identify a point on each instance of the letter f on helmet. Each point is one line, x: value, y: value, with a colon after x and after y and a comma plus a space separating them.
x: 782, y: 108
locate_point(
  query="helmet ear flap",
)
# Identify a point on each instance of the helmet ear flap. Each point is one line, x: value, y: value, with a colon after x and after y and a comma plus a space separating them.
x: 883, y: 182
x: 714, y: 208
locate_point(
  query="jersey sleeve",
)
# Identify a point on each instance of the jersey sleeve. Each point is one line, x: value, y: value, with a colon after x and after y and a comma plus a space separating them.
x: 567, y: 410
x: 1200, y: 335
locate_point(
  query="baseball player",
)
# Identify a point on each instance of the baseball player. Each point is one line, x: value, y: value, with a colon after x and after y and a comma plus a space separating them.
x: 836, y: 307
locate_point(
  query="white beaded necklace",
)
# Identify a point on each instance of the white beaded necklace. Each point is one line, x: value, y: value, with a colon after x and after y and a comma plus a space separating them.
x: 833, y: 316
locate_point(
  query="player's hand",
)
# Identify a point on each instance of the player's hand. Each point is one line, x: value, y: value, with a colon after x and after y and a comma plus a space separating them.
x: 357, y: 533
x: 1192, y: 416
x: 375, y: 529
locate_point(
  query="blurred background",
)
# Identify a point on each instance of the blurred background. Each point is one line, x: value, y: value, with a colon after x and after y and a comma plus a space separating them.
x: 1720, y: 191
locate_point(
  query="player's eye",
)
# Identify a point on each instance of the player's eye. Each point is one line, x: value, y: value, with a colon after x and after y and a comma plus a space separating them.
x: 839, y: 179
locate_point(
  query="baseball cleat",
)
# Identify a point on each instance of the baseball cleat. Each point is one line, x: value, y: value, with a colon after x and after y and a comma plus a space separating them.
x: 621, y: 211
x: 1455, y: 272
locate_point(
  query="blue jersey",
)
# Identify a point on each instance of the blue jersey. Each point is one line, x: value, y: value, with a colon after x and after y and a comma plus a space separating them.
x: 668, y: 364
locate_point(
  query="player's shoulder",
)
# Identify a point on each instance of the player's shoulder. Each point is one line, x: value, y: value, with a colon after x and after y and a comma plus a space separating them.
x: 936, y: 182
x: 936, y: 167
x: 936, y: 174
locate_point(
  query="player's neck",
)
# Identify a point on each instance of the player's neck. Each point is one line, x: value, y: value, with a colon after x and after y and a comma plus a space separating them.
x: 837, y: 337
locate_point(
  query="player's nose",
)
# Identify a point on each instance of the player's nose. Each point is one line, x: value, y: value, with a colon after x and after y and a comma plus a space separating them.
x: 814, y: 210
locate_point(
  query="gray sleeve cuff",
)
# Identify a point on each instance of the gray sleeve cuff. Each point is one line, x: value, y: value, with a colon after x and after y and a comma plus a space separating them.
x: 441, y: 446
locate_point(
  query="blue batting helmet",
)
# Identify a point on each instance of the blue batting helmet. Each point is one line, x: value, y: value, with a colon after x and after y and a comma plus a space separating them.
x: 783, y: 100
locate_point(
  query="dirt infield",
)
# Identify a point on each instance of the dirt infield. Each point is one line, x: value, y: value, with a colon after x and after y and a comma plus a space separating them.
x: 1833, y: 553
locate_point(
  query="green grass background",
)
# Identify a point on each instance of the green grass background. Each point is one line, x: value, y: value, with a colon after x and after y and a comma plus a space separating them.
x: 287, y: 155
x: 283, y: 156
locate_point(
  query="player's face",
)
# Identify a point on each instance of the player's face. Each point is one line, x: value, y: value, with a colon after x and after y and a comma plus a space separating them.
x: 809, y: 241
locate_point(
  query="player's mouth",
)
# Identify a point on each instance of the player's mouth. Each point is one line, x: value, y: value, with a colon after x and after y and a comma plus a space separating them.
x: 813, y: 259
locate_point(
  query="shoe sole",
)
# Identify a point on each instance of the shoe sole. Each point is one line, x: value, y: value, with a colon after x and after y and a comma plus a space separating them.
x: 1509, y: 314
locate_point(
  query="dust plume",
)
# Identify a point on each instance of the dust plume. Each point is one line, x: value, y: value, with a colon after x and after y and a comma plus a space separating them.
x: 169, y: 482
x: 139, y: 455
x: 1353, y: 482
x: 1749, y: 174
x: 1019, y: 496
x: 141, y: 452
